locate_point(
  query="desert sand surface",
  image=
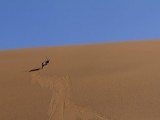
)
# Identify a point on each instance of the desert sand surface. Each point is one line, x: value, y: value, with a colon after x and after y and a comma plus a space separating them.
x: 109, y: 81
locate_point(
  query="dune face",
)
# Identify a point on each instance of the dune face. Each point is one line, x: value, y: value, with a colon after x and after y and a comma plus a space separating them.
x: 60, y: 107
x: 113, y: 81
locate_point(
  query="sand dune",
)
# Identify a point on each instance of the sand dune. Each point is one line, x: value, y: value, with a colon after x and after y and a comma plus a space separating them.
x: 112, y: 81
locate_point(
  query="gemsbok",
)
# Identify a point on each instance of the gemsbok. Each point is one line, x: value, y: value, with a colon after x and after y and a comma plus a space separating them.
x: 45, y: 63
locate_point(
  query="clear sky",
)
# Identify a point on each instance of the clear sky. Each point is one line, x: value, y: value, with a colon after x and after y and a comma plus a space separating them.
x: 34, y: 23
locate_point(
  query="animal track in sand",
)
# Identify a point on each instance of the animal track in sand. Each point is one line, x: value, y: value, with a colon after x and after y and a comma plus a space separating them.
x: 60, y: 107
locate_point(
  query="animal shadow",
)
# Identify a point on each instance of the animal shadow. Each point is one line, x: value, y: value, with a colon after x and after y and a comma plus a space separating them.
x: 33, y: 70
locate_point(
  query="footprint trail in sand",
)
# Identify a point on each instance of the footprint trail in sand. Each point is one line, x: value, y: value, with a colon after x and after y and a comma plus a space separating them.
x: 60, y: 107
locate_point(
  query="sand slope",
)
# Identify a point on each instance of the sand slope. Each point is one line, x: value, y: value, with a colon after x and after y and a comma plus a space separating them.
x: 113, y: 81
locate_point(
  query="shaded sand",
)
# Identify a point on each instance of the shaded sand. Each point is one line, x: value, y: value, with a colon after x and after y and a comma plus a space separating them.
x: 113, y: 81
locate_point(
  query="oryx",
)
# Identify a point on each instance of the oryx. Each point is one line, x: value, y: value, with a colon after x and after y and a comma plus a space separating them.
x: 45, y: 62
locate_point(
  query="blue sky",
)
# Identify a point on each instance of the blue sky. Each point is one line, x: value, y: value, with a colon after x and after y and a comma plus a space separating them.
x: 35, y: 23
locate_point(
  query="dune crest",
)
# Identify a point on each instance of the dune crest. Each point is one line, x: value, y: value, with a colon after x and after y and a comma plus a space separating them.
x: 60, y: 107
